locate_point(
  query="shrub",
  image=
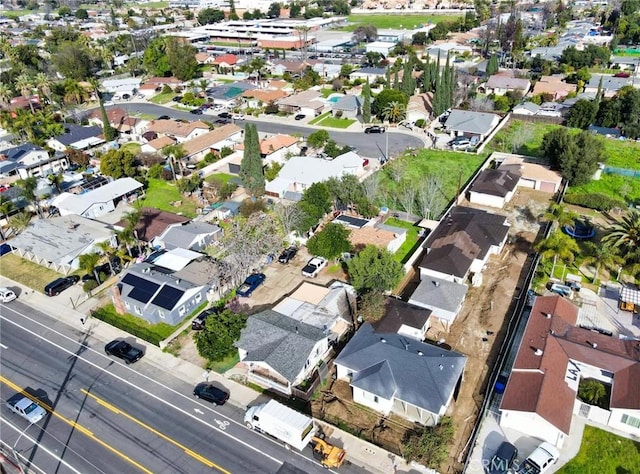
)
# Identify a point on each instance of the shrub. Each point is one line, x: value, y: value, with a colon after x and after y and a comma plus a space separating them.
x: 271, y: 109
x: 155, y: 171
x: 153, y: 333
x: 597, y: 201
x: 420, y: 123
x: 166, y: 89
x: 89, y: 285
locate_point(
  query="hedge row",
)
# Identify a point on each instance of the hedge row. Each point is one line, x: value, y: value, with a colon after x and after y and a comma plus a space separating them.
x: 597, y: 201
x: 153, y: 333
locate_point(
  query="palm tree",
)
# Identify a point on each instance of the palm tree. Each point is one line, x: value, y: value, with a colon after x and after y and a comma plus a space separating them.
x: 29, y: 186
x: 624, y: 234
x: 560, y: 215
x: 88, y: 262
x: 56, y: 179
x: 6, y: 94
x: 601, y: 256
x: 132, y: 218
x: 43, y: 85
x: 74, y: 93
x: 591, y: 391
x: 557, y: 245
x: 107, y: 249
x: 125, y: 237
x: 5, y: 208
x: 174, y: 153
x: 394, y: 112
x: 20, y: 221
x: 24, y: 84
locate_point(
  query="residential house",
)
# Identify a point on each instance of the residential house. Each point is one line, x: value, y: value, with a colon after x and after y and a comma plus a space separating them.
x: 294, y: 68
x: 175, y: 259
x: 404, y: 319
x: 172, y: 82
x: 420, y: 107
x: 121, y: 88
x: 494, y: 187
x: 391, y: 373
x: 23, y: 161
x: 547, y: 109
x: 156, y: 145
x: 300, y: 172
x: 444, y: 298
x: 328, y: 71
x: 382, y: 47
x: 610, y: 84
x: 228, y: 210
x: 226, y: 62
x: 363, y: 232
x: 553, y: 86
x: 57, y: 242
x: 471, y: 124
x: 119, y: 119
x: 149, y: 90
x: 625, y: 63
x: 156, y: 296
x: 370, y: 74
x: 152, y: 223
x: 180, y: 131
x: 306, y: 102
x: 228, y: 95
x: 277, y: 148
x: 197, y: 148
x: 190, y: 235
x: 205, y: 58
x: 500, y: 84
x: 532, y: 175
x: 462, y: 243
x: 555, y: 356
x: 97, y: 202
x: 77, y: 137
x: 347, y: 106
x: 258, y: 97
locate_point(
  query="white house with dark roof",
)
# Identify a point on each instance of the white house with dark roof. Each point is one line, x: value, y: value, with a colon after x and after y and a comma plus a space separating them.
x: 188, y: 235
x: 77, y: 137
x: 494, y: 187
x: 500, y: 84
x: 26, y: 160
x: 471, y: 124
x: 391, y: 373
x: 156, y: 296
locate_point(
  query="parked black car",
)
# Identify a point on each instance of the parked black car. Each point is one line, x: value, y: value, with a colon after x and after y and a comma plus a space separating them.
x: 502, y: 461
x: 58, y: 286
x: 199, y: 322
x: 224, y: 115
x: 299, y: 116
x: 287, y: 255
x: 123, y: 350
x: 374, y: 129
x: 210, y: 393
x: 196, y: 111
x: 177, y: 98
x: 164, y: 117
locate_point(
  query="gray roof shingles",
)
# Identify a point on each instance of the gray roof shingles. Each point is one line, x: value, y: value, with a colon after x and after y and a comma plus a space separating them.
x: 469, y: 121
x: 495, y: 182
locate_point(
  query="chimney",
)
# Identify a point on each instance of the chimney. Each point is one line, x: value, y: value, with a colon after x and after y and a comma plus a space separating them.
x: 538, y: 352
x: 178, y: 281
x: 436, y: 283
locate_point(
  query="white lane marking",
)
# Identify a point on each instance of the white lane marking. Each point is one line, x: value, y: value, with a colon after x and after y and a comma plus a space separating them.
x: 3, y: 346
x: 222, y: 424
x: 198, y: 411
x: 237, y: 440
x: 40, y: 446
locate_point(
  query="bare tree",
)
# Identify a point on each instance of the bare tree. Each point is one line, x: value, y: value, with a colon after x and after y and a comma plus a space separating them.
x: 397, y: 170
x: 289, y: 217
x: 430, y: 198
x: 371, y: 186
x: 481, y: 105
x: 408, y: 197
x: 523, y: 135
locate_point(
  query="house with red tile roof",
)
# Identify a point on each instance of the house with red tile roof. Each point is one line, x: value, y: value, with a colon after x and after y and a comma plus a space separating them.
x: 229, y: 136
x: 276, y: 147
x: 226, y: 61
x: 554, y: 357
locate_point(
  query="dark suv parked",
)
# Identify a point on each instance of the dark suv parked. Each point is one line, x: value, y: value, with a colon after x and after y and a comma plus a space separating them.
x: 58, y: 286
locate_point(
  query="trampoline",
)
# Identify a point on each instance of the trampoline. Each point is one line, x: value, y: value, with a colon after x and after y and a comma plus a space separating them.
x: 581, y: 229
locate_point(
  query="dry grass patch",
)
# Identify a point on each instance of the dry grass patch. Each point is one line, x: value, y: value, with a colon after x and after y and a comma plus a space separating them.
x: 26, y: 272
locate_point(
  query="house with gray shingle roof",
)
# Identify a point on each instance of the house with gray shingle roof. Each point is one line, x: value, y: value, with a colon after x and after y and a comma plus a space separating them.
x: 471, y: 124
x: 610, y: 84
x: 188, y: 235
x: 26, y: 160
x: 77, y: 137
x: 391, y: 373
x: 494, y: 187
x: 281, y: 351
x: 442, y: 297
x: 349, y: 106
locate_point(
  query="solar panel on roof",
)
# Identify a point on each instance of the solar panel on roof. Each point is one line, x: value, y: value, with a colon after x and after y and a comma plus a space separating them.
x: 142, y: 290
x: 168, y: 297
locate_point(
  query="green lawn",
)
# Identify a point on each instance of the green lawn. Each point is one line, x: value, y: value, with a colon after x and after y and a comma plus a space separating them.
x: 153, y: 333
x: 452, y: 169
x: 225, y: 364
x: 222, y: 178
x: 162, y: 98
x: 407, y: 248
x: 503, y: 139
x: 397, y: 21
x: 326, y: 92
x: 620, y: 187
x: 132, y: 147
x: 335, y: 122
x: 602, y: 452
x: 26, y: 272
x: 622, y: 154
x: 161, y: 194
x: 152, y: 5
x: 319, y: 118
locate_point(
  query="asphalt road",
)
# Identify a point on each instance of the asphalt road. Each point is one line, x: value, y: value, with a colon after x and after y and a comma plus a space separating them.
x: 108, y: 417
x: 368, y: 145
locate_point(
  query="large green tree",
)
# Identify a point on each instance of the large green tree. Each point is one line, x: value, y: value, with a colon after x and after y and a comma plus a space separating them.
x: 386, y: 97
x: 251, y: 171
x: 118, y: 164
x: 318, y: 199
x: 210, y: 15
x: 557, y: 246
x: 155, y: 59
x: 215, y: 341
x: 576, y: 156
x: 181, y: 58
x: 374, y: 268
x: 330, y: 242
x: 582, y: 114
x: 73, y: 61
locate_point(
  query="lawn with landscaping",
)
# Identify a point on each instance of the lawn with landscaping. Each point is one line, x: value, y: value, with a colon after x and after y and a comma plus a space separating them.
x: 221, y: 178
x: 26, y: 272
x: 153, y: 333
x: 408, y: 247
x: 602, y: 452
x: 398, y: 22
x: 132, y: 147
x: 165, y: 196
x: 162, y: 98
x: 319, y: 118
x: 335, y: 122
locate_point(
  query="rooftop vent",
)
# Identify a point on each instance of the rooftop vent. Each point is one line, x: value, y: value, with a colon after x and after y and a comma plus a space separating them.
x: 441, y: 366
x: 538, y: 352
x: 594, y: 345
x: 436, y: 283
x: 383, y: 340
x: 420, y: 353
x: 178, y: 281
x: 548, y: 315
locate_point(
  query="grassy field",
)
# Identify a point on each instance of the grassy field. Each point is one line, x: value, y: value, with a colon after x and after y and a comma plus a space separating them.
x: 620, y: 187
x: 26, y: 272
x: 326, y: 92
x: 132, y: 147
x: 535, y: 131
x: 13, y: 14
x: 162, y: 98
x: 161, y: 194
x: 452, y: 169
x: 152, y: 5
x: 407, y: 248
x: 602, y: 452
x: 622, y: 154
x: 398, y: 21
x: 335, y: 122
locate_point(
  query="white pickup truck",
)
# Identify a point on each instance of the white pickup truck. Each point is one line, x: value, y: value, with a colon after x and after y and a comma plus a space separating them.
x: 26, y: 408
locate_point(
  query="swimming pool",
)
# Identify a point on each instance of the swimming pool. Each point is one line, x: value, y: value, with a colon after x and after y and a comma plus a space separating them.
x: 334, y: 99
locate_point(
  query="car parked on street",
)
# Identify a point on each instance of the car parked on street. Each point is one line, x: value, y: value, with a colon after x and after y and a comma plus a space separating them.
x: 503, y: 459
x: 299, y: 116
x: 59, y: 285
x: 252, y: 282
x: 238, y: 117
x: 197, y: 111
x: 7, y: 295
x: 540, y: 460
x: 287, y: 254
x: 210, y: 393
x: 225, y: 115
x: 374, y: 129
x: 164, y: 117
x: 26, y: 408
x: 123, y: 350
x: 199, y: 322
x: 313, y: 267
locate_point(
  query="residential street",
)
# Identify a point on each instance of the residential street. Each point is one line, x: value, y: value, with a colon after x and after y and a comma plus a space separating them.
x: 109, y: 417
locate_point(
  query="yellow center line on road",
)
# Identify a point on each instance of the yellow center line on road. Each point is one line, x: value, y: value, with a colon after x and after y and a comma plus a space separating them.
x: 75, y: 425
x: 188, y: 451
